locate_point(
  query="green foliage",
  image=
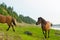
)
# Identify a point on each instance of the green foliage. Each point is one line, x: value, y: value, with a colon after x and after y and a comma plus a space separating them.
x: 4, y: 10
x: 27, y: 19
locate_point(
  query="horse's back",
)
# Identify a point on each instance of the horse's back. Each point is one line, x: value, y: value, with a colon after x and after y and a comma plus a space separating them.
x: 5, y: 19
x: 2, y: 19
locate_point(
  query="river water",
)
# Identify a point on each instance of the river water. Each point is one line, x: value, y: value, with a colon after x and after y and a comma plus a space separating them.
x: 55, y: 27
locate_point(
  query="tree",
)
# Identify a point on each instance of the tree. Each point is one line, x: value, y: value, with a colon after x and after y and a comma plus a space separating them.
x: 3, y: 5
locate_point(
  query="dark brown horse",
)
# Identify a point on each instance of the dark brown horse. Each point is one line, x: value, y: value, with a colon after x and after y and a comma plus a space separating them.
x: 45, y: 25
x: 9, y: 20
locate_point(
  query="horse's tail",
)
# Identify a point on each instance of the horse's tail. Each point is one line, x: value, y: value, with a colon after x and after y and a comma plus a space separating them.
x: 51, y: 24
x: 13, y: 21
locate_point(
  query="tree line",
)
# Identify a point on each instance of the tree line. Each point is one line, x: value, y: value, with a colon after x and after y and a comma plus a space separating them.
x: 4, y: 10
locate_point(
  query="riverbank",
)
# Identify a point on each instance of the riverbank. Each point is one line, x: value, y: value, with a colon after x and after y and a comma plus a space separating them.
x: 55, y: 28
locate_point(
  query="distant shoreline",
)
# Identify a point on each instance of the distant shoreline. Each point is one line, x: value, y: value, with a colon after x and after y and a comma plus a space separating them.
x: 55, y: 28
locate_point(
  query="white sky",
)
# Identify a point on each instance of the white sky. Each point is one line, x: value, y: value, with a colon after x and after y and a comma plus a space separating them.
x: 48, y: 9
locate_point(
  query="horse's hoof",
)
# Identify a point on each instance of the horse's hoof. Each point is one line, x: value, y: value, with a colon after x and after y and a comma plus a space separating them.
x: 48, y: 37
x: 14, y: 30
x: 45, y: 37
x: 6, y: 30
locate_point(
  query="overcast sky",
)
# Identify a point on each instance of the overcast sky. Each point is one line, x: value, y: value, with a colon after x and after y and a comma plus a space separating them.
x: 48, y: 9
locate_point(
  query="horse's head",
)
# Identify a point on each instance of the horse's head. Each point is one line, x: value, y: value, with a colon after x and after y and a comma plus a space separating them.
x: 39, y: 20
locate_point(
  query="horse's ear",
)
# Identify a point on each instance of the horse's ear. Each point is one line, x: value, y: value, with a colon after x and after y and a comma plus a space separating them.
x: 40, y: 18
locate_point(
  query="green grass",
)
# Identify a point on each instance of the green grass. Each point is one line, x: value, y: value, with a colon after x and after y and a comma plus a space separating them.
x: 19, y: 33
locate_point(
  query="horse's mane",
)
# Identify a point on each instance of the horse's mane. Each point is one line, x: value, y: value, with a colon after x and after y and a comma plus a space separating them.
x: 43, y: 20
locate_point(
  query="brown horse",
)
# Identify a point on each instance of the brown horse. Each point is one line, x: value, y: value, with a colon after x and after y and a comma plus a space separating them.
x: 9, y: 20
x: 45, y: 25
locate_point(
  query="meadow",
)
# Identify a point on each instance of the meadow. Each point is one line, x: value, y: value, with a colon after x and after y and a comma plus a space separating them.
x: 19, y: 33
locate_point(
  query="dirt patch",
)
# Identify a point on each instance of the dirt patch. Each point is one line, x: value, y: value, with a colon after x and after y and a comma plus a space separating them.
x: 1, y: 36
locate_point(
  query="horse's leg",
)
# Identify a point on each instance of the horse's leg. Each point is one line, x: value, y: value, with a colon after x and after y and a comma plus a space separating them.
x: 13, y: 28
x: 48, y: 33
x: 45, y: 34
x: 8, y: 28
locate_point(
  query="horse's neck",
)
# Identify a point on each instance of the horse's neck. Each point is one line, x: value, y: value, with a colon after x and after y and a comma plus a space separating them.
x: 43, y: 22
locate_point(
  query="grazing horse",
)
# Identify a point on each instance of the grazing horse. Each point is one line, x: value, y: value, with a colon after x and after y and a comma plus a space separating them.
x: 9, y: 20
x: 45, y: 25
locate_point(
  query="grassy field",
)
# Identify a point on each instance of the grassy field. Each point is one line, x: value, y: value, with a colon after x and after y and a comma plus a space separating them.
x: 19, y: 33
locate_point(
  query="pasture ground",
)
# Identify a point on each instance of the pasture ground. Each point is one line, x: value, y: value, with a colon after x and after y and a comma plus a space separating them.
x: 19, y: 33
